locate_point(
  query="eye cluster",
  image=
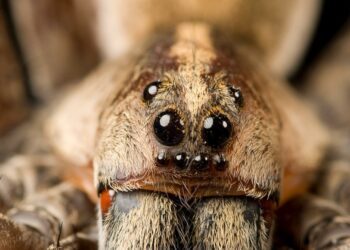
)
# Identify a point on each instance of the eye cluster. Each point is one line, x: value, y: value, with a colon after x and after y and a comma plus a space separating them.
x: 170, y: 130
x: 199, y: 162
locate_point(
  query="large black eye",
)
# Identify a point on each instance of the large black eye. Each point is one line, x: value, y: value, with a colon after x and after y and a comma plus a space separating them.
x: 216, y: 130
x: 169, y: 128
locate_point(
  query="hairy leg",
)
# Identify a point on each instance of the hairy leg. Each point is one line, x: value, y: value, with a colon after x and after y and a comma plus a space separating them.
x: 311, y: 222
x: 85, y: 239
x: 334, y: 183
x: 42, y: 219
x: 24, y: 175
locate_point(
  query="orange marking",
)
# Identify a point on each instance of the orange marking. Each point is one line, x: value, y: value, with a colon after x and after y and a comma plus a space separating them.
x: 105, y: 201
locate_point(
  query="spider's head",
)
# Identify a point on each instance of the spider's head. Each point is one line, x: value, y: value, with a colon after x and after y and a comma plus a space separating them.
x: 193, y: 119
x: 196, y: 123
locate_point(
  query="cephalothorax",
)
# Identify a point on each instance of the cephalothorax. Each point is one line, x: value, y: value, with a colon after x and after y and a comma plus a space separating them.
x: 198, y: 119
x: 189, y: 141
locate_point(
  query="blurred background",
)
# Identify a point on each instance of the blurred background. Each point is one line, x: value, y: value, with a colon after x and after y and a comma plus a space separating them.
x: 333, y: 18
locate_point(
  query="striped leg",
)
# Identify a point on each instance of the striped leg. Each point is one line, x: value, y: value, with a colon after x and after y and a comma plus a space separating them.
x: 40, y: 220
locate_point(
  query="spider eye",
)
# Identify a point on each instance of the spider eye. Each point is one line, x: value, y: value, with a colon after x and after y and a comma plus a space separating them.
x: 169, y: 128
x: 237, y: 95
x: 216, y: 130
x: 151, y: 90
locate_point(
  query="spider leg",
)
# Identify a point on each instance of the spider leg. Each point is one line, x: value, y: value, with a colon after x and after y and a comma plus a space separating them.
x: 314, y: 223
x: 334, y: 184
x: 43, y: 218
x: 322, y: 220
x: 24, y: 175
x: 85, y: 239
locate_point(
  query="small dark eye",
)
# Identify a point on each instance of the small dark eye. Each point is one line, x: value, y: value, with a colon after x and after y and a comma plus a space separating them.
x: 237, y: 95
x: 162, y: 159
x: 216, y: 130
x: 200, y: 162
x: 169, y: 128
x: 219, y: 162
x: 151, y: 90
x: 181, y: 160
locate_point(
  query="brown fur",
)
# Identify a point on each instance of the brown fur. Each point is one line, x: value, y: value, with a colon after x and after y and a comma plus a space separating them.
x: 229, y: 224
x: 152, y: 223
x: 277, y: 30
x: 196, y: 69
x: 212, y: 223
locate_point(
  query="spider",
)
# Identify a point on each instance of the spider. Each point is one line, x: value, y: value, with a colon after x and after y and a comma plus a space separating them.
x: 186, y: 136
